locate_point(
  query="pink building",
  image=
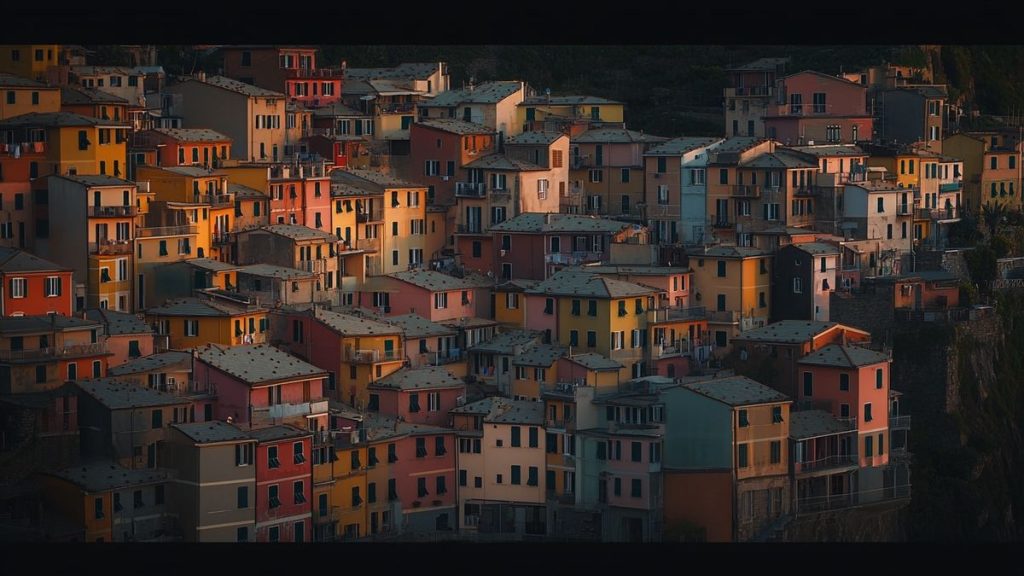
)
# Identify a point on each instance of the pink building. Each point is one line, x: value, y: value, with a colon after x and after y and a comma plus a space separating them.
x: 262, y: 385
x: 440, y: 149
x: 417, y: 395
x: 812, y: 107
x: 851, y: 382
x: 128, y: 337
x: 427, y: 343
x: 301, y: 195
x: 431, y: 294
x: 541, y: 312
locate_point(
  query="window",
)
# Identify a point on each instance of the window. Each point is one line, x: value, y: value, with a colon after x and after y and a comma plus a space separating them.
x: 440, y: 300
x: 243, y: 454
x: 741, y: 456
x: 721, y: 268
x: 636, y: 452
x: 512, y: 300
x: 98, y: 505
x: 869, y: 446
x: 696, y: 177
x: 797, y: 286
x: 867, y: 412
x: 880, y: 205
x: 617, y: 340
x: 272, y: 460
x: 878, y: 378
x: 414, y: 402
x: 299, y: 457
x: 743, y: 421
x: 243, y: 497
x: 421, y: 447
x: 596, y: 175
x: 191, y: 328
x: 421, y: 487
x: 575, y: 308
x: 881, y: 444
x: 776, y: 414
x: 392, y: 454
x: 439, y: 449
x: 534, y: 438
x: 157, y: 418
x: 721, y: 302
x: 516, y: 440
x: 432, y: 168
x: 723, y: 175
x: 844, y: 410
x: 994, y: 163
x: 796, y: 103
x: 662, y: 194
x: 592, y: 308
x: 808, y: 384
x: 776, y: 452
x: 272, y: 496
x: 19, y: 288
x: 516, y: 475
x: 591, y: 339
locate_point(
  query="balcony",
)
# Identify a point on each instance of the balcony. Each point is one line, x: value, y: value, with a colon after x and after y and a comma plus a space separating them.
x: 671, y: 349
x: 470, y: 189
x: 281, y: 411
x: 744, y: 191
x: 397, y: 108
x: 165, y: 231
x: 67, y: 351
x: 374, y: 215
x: 565, y: 390
x: 471, y: 228
x: 834, y: 462
x: 443, y: 357
x: 567, y: 424
x: 573, y: 258
x: 806, y: 191
x: 937, y: 214
x: 721, y: 223
x: 220, y: 238
x: 318, y: 266
x: 951, y: 187
x: 724, y: 317
x: 311, y: 73
x: 111, y: 247
x: 216, y: 200
x: 354, y: 356
x: 750, y: 91
x: 899, y: 423
x: 368, y: 244
x: 682, y: 314
x: 903, y: 209
x: 23, y: 149
x: 113, y: 211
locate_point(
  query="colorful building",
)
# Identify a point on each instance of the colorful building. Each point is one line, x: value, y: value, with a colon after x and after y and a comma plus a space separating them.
x: 734, y: 284
x: 437, y: 296
x: 726, y: 439
x: 128, y: 336
x: 23, y: 96
x: 95, y: 103
x: 492, y: 104
x: 814, y: 107
x: 751, y: 92
x: 607, y: 176
x: 185, y: 147
x: 69, y: 144
x: 284, y: 483
x: 991, y: 170
x: 292, y: 70
x: 29, y: 61
x: 417, y: 395
x: 32, y: 286
x: 196, y: 321
x: 570, y: 115
x: 805, y: 277
x: 41, y: 353
x: 675, y: 188
x: 298, y: 247
x: 440, y: 149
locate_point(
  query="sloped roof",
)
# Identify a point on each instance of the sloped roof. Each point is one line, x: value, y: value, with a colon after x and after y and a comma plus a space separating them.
x: 193, y: 134
x: 410, y: 70
x: 171, y: 359
x: 506, y: 342
x: 498, y: 161
x: 429, y: 377
x: 351, y: 325
x: 830, y: 150
x: 277, y: 432
x: 212, y: 265
x: 574, y: 282
x: 439, y: 282
x: 236, y: 86
x: 455, y: 126
x: 272, y: 271
x: 191, y: 306
x: 57, y: 119
x: 119, y: 396
x: 119, y: 322
x: 75, y: 94
x: 43, y: 323
x: 416, y: 326
x: 533, y: 138
x: 593, y: 361
x: 816, y: 248
x: 15, y: 260
x: 565, y: 100
x: 500, y: 410
x: 300, y: 233
x: 680, y: 146
x: 485, y: 93
x: 105, y: 476
x: 781, y: 158
x: 616, y: 136
x: 791, y: 331
x: 736, y: 391
x: 258, y: 363
x: 243, y: 191
x: 370, y: 180
x: 540, y: 355
x: 838, y: 356
x: 213, y: 431
x: 96, y: 180
x: 13, y: 81
x: 539, y: 222
x: 727, y: 252
x: 806, y: 424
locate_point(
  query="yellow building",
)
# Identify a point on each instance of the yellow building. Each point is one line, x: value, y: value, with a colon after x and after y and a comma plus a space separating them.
x: 551, y: 112
x: 601, y: 315
x: 534, y: 370
x: 71, y: 143
x: 194, y: 322
x: 992, y: 168
x: 23, y: 96
x: 252, y: 207
x: 204, y: 199
x: 156, y: 246
x: 510, y: 302
x: 607, y: 171
x: 29, y: 61
x: 350, y: 493
x: 734, y: 285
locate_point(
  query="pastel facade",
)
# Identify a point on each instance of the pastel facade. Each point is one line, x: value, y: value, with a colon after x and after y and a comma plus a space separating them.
x: 193, y: 322
x: 41, y: 353
x: 676, y: 176
x: 32, y: 286
x: 813, y: 107
x: 734, y: 284
x: 23, y: 96
x: 607, y: 172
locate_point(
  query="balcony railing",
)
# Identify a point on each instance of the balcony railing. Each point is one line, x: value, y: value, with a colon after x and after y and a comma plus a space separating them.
x: 471, y: 228
x: 667, y: 314
x: 807, y: 191
x: 721, y: 223
x: 561, y: 423
x: 113, y: 211
x: 573, y: 258
x: 397, y: 108
x: 899, y: 422
x: 55, y: 352
x: 216, y: 200
x: 292, y: 73
x: 470, y: 189
x: 745, y: 191
x: 443, y: 357
x: 828, y: 462
x: 724, y: 316
x: 110, y: 247
x: 936, y: 213
x: 374, y: 215
x: 165, y: 231
x: 318, y: 266
x: 368, y: 244
x: 951, y: 187
x: 903, y: 209
x: 279, y: 411
x: 354, y: 356
x: 813, y: 504
x: 221, y: 238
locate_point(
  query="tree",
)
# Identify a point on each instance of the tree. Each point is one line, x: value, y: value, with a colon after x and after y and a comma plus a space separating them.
x: 993, y: 215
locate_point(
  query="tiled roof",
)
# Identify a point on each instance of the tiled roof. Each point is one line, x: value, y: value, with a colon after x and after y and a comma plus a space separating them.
x: 830, y: 150
x: 277, y: 432
x: 538, y: 222
x: 726, y: 252
x: 370, y: 180
x: 351, y: 325
x: 337, y: 109
x: 541, y: 355
x: 193, y: 171
x: 410, y: 70
x: 258, y: 363
x: 43, y: 323
x: 439, y: 282
x: 506, y: 342
x: 575, y: 282
x: 838, y: 356
x: 516, y: 285
x: 816, y: 248
x: 736, y: 391
x: 12, y: 81
x: 730, y: 147
x: 455, y: 126
x: 485, y: 93
x: 498, y: 161
x: 534, y: 138
x: 56, y: 119
x: 74, y: 94
x: 191, y: 306
x: 632, y: 270
x: 210, y: 432
x: 97, y: 180
x: 243, y: 191
x: 419, y: 378
x: 789, y: 331
x: 806, y: 424
x: 171, y: 359
x: 594, y: 361
x: 119, y: 322
x: 193, y: 134
x: 104, y: 476
x: 680, y: 146
x: 212, y: 265
x: 272, y: 271
x: 565, y: 100
x: 300, y: 233
x: 238, y: 87
x: 15, y: 260
x: 781, y: 158
x: 416, y: 326
x: 469, y: 323
x: 119, y: 396
x: 504, y: 411
x: 616, y: 136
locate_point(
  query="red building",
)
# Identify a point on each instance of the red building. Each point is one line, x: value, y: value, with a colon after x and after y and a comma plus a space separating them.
x: 185, y: 146
x: 812, y: 107
x: 262, y: 385
x: 33, y: 286
x: 417, y: 395
x: 284, y: 484
x: 301, y: 195
x: 288, y: 69
x: 440, y: 149
x: 19, y: 166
